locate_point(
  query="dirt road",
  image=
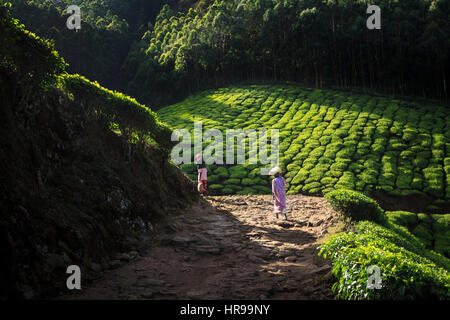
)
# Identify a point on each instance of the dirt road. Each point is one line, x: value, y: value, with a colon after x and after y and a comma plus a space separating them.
x: 228, y: 248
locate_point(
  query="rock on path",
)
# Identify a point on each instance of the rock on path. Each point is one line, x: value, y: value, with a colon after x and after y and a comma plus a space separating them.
x: 228, y: 247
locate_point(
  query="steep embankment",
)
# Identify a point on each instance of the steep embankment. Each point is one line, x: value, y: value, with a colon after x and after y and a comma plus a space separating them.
x: 73, y: 190
x: 331, y: 139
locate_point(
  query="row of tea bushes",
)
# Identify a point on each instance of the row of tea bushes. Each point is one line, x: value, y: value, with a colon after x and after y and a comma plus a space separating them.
x: 330, y: 139
x: 407, y: 268
x: 432, y: 229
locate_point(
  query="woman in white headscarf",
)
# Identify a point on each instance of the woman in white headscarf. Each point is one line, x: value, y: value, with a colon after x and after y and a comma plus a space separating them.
x: 279, y: 185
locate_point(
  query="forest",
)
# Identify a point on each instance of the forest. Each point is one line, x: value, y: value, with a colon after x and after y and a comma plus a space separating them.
x: 162, y: 51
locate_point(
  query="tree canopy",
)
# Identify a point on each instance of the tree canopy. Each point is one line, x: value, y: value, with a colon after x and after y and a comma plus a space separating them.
x: 161, y: 51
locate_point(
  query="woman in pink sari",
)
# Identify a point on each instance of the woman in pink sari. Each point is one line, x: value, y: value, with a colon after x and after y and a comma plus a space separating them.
x: 202, y: 175
x: 279, y: 185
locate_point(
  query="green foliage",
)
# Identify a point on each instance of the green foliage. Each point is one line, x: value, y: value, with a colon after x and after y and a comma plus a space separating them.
x: 248, y: 182
x: 227, y: 191
x: 441, y: 228
x: 213, y: 178
x: 407, y: 271
x: 132, y: 117
x: 346, y: 150
x: 221, y: 172
x: 431, y: 229
x: 355, y: 205
x: 163, y: 57
x: 424, y: 232
x: 33, y: 58
x: 108, y: 29
x: 236, y: 40
x: 403, y: 218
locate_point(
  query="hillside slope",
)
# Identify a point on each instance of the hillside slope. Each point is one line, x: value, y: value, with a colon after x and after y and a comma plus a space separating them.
x: 329, y: 139
x: 73, y: 191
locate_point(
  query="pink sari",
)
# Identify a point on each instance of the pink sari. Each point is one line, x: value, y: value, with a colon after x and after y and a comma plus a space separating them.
x: 202, y: 174
x: 279, y: 194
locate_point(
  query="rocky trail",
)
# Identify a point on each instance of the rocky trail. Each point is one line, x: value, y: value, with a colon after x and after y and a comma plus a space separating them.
x: 227, y: 248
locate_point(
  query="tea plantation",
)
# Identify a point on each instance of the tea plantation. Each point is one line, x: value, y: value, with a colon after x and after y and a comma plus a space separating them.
x: 410, y: 251
x: 328, y: 140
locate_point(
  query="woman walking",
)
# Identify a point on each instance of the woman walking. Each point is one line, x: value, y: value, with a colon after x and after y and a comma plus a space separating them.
x: 202, y: 175
x: 279, y: 185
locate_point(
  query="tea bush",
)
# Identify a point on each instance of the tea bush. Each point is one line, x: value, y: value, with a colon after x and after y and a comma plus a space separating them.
x: 407, y: 269
x: 431, y: 229
x: 355, y: 205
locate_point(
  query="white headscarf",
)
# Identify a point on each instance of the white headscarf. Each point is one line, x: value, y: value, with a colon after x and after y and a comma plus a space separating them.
x: 275, y: 170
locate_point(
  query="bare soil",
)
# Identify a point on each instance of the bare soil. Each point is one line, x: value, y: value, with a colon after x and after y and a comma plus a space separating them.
x: 227, y: 247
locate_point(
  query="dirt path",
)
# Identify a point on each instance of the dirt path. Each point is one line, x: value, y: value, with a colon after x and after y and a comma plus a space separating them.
x: 229, y: 248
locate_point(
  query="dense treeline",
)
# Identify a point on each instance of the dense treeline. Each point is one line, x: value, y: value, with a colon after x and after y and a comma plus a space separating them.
x: 159, y: 58
x: 109, y: 27
x: 321, y: 43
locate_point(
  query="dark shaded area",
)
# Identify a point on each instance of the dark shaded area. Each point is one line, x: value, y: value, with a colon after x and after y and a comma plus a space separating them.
x: 108, y: 30
x: 418, y: 203
x: 72, y: 191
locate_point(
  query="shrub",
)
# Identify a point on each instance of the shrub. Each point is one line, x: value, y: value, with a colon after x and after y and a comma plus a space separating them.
x: 232, y: 181
x: 247, y: 191
x: 310, y: 186
x: 425, y: 234
x: 328, y: 180
x: 403, y: 218
x: 405, y: 274
x: 355, y: 205
x: 221, y: 172
x: 235, y: 187
x: 368, y: 176
x: 237, y: 170
x: 263, y: 189
x: 254, y: 173
x: 442, y: 244
x: 441, y: 228
x: 213, y: 178
x: 227, y: 191
x: 248, y: 182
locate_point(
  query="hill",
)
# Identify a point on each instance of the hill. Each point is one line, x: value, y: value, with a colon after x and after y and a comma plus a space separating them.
x: 84, y: 171
x: 329, y: 139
